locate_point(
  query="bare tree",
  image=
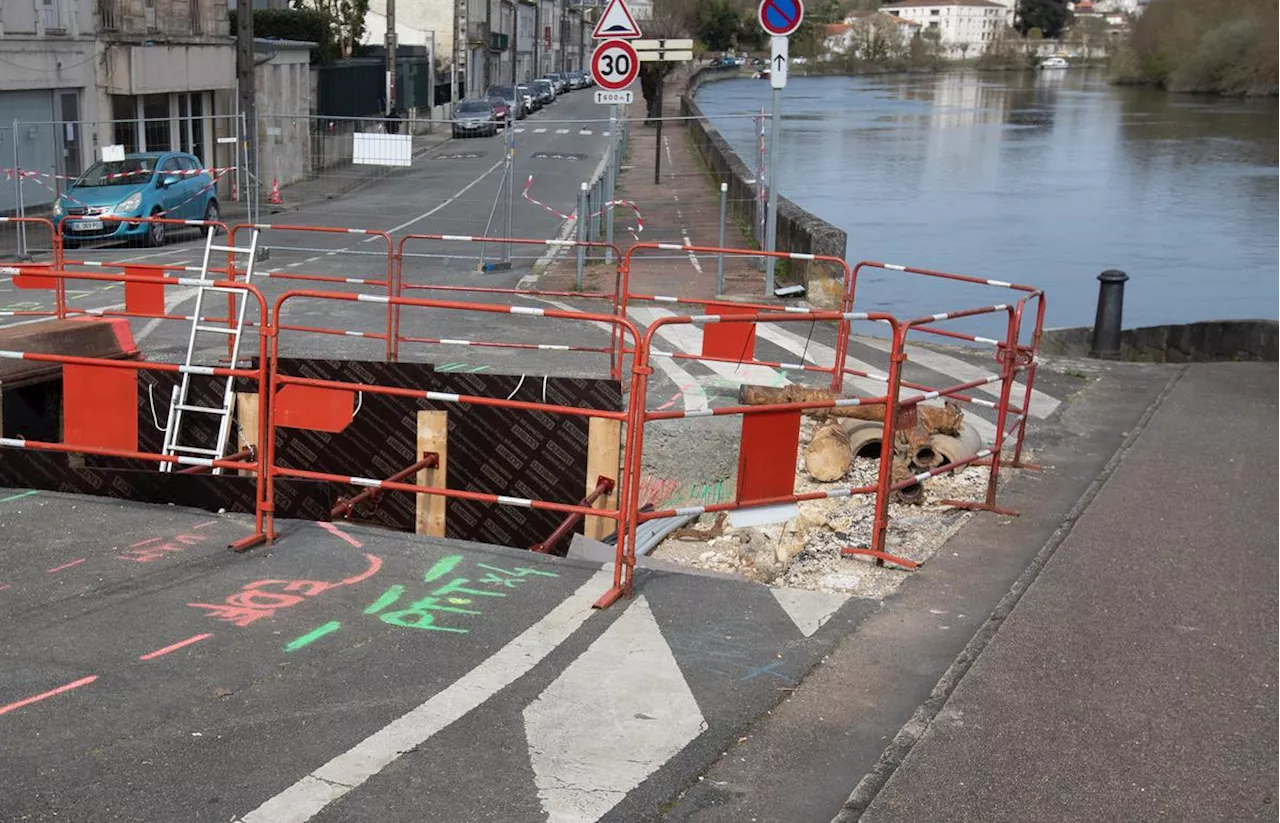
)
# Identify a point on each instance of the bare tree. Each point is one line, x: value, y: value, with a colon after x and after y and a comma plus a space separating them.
x: 671, y: 19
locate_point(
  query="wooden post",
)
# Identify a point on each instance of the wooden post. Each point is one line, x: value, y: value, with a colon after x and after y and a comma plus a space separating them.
x: 433, y: 436
x: 604, y: 454
x: 247, y: 425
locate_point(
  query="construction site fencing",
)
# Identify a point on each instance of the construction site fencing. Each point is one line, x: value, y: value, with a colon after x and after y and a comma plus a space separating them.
x: 42, y: 161
x: 1018, y: 350
x: 279, y: 380
x: 374, y: 252
x: 100, y: 395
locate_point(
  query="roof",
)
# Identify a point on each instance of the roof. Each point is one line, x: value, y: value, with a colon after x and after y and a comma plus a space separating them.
x: 908, y: 4
x: 837, y: 29
x: 864, y: 16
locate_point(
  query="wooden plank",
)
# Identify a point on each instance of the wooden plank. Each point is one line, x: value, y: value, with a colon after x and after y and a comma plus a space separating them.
x: 604, y: 455
x: 247, y: 425
x: 433, y: 436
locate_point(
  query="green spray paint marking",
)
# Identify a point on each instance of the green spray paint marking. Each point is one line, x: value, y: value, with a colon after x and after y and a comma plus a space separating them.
x: 390, y: 596
x: 313, y: 635
x: 18, y: 496
x: 442, y: 567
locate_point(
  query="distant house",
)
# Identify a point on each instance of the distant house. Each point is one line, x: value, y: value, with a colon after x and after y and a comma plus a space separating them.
x: 837, y: 38
x: 963, y: 27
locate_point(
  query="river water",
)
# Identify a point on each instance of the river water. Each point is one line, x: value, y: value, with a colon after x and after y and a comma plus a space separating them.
x: 1043, y: 178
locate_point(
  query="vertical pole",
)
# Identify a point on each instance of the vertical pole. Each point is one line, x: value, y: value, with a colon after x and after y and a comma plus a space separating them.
x: 582, y: 235
x: 17, y: 194
x: 1105, y: 342
x: 431, y: 85
x: 515, y: 50
x: 724, y: 203
x: 511, y: 191
x: 391, y: 57
x: 612, y: 172
x: 657, y: 151
x: 771, y: 228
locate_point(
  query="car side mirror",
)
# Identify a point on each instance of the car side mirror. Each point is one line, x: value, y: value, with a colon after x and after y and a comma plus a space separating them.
x: 166, y: 181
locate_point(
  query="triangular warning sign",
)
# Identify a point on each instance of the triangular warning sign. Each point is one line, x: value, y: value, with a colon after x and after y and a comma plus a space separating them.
x: 616, y: 23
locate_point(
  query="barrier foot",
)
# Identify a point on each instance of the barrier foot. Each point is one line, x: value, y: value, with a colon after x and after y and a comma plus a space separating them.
x: 980, y: 507
x: 882, y: 557
x: 608, y: 598
x: 246, y: 543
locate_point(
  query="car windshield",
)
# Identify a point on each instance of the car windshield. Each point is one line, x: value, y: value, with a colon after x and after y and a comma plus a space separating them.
x: 473, y: 107
x: 541, y: 84
x: 128, y: 172
x: 505, y: 92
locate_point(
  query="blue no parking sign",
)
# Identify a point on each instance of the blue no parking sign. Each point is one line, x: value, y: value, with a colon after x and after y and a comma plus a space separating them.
x: 781, y: 17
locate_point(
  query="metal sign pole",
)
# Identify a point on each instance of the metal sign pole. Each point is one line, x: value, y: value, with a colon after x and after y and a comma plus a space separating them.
x: 771, y: 229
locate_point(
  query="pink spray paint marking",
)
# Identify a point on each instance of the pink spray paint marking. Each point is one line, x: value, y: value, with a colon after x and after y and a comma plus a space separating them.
x: 84, y: 681
x: 180, y: 644
x: 263, y: 598
x: 65, y: 566
x: 334, y: 530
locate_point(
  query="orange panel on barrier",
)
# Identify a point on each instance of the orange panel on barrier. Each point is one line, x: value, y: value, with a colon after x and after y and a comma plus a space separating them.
x: 143, y: 298
x: 100, y: 407
x: 767, y: 455
x: 32, y: 277
x: 309, y: 407
x: 735, y: 341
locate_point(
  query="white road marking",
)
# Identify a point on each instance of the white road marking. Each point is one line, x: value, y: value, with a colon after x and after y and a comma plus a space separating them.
x: 808, y: 609
x: 562, y: 131
x: 539, y: 131
x: 452, y: 198
x: 688, y: 339
x: 585, y: 132
x: 310, y: 795
x: 626, y: 682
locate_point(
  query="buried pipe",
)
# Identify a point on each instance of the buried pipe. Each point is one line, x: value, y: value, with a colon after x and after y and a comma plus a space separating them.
x: 244, y: 454
x: 603, y: 486
x: 346, y: 506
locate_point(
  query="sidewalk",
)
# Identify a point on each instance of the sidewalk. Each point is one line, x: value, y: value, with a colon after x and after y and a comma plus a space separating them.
x: 1136, y: 678
x: 683, y: 207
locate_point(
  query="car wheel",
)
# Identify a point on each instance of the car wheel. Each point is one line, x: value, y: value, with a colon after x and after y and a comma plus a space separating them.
x: 211, y: 215
x: 155, y: 232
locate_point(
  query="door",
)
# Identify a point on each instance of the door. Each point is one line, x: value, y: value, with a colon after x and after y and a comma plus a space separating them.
x: 170, y: 198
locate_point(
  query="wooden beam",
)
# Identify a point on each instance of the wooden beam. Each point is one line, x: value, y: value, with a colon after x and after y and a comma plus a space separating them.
x: 247, y: 425
x: 604, y: 455
x: 433, y: 436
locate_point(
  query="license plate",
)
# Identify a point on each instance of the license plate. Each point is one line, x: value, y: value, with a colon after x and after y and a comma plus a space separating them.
x: 87, y: 225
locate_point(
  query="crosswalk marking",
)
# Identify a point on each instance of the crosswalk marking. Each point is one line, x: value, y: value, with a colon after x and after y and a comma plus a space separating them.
x: 562, y: 131
x: 585, y: 132
x: 539, y: 131
x: 688, y: 339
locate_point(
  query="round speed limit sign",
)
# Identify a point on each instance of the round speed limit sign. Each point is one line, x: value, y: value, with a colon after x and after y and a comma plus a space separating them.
x: 614, y: 65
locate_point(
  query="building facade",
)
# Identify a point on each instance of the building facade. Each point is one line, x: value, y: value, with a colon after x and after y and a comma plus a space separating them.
x: 964, y: 28
x: 77, y: 75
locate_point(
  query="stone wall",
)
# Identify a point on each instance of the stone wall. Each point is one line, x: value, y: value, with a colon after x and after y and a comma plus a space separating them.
x: 1212, y: 341
x: 798, y: 230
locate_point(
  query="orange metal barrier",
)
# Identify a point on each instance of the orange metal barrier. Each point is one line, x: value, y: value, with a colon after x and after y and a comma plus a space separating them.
x: 277, y: 381
x: 107, y: 405
x: 388, y: 283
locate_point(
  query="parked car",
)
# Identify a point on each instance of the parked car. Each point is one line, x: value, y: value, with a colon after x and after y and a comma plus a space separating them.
x: 530, y: 99
x: 512, y: 98
x: 501, y: 112
x: 151, y: 184
x: 560, y: 81
x: 474, y: 117
x: 577, y: 80
x: 545, y: 91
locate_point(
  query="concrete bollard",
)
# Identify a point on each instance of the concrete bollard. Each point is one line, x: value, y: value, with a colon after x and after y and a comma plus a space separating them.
x: 1106, y: 325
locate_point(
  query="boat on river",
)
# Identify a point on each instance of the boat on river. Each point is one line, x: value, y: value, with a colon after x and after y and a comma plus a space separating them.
x: 1055, y: 63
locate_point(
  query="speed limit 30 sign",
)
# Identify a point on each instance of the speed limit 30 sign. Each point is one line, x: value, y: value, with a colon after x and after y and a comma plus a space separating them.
x: 614, y: 64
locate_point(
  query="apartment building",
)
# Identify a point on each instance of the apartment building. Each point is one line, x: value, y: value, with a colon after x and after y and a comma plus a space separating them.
x: 76, y: 75
x: 965, y: 28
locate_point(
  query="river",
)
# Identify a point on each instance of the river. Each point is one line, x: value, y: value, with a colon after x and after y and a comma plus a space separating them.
x: 1044, y: 178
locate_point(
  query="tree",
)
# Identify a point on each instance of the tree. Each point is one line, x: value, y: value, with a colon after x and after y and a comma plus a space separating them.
x: 718, y: 24
x: 346, y: 20
x: 1050, y: 16
x: 671, y: 20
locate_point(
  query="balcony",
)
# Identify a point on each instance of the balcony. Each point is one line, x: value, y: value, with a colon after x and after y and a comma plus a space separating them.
x: 109, y: 15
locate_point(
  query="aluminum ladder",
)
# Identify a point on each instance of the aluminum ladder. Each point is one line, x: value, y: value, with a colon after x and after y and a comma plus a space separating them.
x: 179, y: 404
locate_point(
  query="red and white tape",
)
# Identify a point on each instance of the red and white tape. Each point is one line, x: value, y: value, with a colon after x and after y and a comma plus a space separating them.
x: 609, y: 205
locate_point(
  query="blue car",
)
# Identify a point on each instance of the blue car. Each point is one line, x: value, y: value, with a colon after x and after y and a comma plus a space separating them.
x: 155, y: 184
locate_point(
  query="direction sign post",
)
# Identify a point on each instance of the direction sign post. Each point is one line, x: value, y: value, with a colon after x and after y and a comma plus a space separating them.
x: 779, y: 18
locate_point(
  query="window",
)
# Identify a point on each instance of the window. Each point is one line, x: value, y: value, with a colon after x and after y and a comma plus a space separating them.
x: 934, y: 12
x: 171, y: 165
x: 933, y: 24
x: 155, y: 122
x: 124, y: 113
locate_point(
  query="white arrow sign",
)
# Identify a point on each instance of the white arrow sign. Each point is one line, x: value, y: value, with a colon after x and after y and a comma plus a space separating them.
x: 778, y: 63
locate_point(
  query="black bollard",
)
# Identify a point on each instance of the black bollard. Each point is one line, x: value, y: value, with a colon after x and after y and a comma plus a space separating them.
x: 1106, y: 326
